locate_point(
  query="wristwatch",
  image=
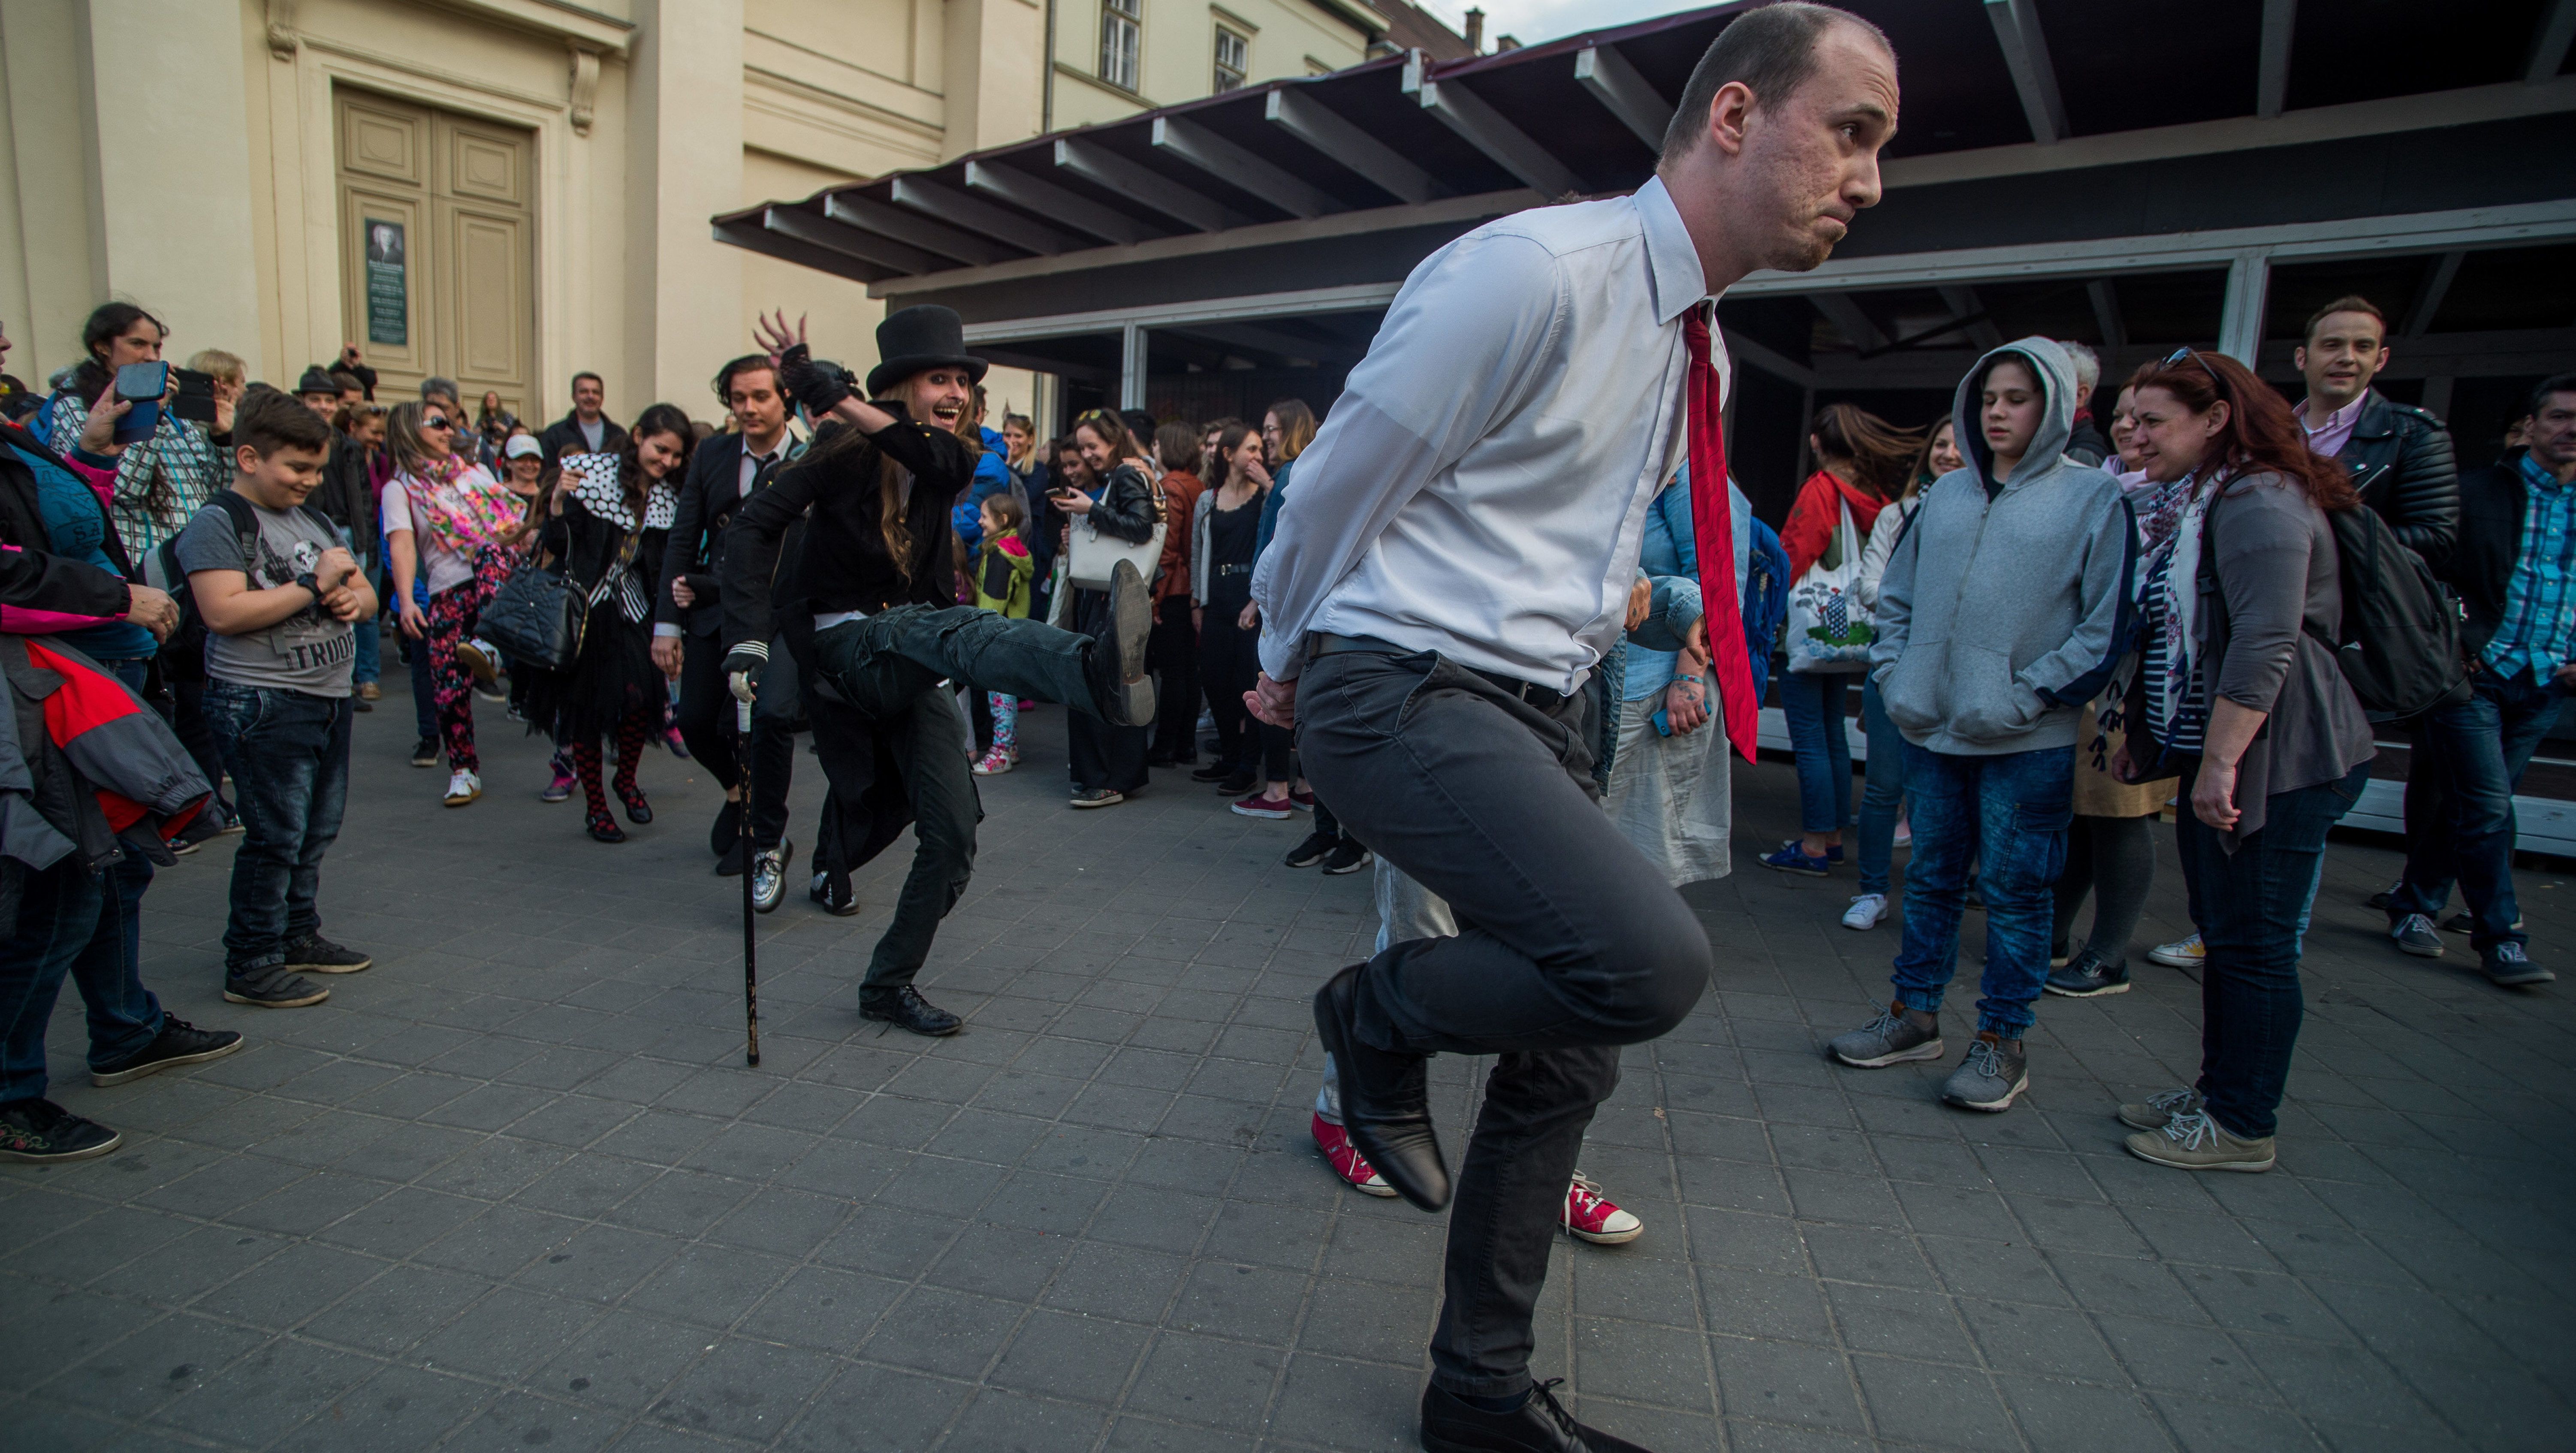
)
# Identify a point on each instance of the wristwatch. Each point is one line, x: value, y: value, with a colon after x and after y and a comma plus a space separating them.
x: 309, y: 583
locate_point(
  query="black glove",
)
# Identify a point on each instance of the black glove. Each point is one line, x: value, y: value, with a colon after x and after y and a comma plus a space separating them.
x: 742, y: 668
x: 816, y: 386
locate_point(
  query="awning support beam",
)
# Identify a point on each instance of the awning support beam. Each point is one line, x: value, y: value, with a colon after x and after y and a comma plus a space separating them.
x: 1131, y: 367
x: 1218, y: 157
x: 2549, y: 44
x: 1482, y: 127
x: 2428, y: 298
x: 978, y: 215
x: 2272, y: 57
x: 1022, y: 190
x: 1305, y: 118
x: 921, y: 232
x: 2016, y: 24
x: 865, y: 246
x: 1106, y: 169
x: 1615, y: 84
x: 2240, y: 321
x: 2105, y: 297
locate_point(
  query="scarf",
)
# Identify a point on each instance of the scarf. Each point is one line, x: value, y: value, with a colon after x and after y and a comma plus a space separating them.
x: 461, y: 505
x: 2181, y: 592
x: 598, y: 482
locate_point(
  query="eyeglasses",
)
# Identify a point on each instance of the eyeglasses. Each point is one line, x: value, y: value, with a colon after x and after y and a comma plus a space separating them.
x: 435, y: 422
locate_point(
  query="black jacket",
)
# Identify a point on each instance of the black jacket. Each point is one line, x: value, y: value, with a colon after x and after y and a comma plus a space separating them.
x: 2481, y: 564
x: 1126, y: 509
x: 2401, y: 462
x: 845, y: 564
x: 708, y: 499
x: 32, y: 577
x: 564, y: 436
x: 346, y: 496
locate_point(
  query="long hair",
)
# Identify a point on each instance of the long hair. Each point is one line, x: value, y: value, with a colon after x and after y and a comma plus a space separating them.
x: 1178, y: 446
x: 1227, y: 442
x: 1296, y: 427
x: 657, y: 419
x: 1881, y: 454
x: 1111, y: 430
x: 2261, y: 436
x: 1923, y: 474
x: 107, y: 323
x: 405, y: 440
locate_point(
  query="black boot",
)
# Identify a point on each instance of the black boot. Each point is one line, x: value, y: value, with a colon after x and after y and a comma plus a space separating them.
x: 1540, y: 1425
x: 1121, y: 687
x: 904, y: 1008
x: 1386, y: 1099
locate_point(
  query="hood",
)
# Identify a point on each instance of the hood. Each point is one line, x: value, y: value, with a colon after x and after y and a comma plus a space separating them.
x: 2056, y: 373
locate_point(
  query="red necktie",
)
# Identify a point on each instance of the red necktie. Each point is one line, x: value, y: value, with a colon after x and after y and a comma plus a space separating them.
x: 1713, y: 531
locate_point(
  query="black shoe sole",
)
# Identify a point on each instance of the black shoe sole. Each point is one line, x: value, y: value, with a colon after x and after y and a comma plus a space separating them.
x: 2095, y: 992
x: 1351, y: 867
x: 108, y: 1078
x: 909, y: 1027
x: 1393, y: 1167
x: 315, y: 998
x: 361, y: 966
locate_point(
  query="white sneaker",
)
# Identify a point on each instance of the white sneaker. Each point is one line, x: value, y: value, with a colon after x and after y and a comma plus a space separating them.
x: 1866, y: 911
x: 463, y: 788
x: 481, y: 660
x: 2183, y: 953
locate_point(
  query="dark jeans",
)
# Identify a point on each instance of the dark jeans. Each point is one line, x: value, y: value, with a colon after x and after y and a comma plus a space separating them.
x: 2007, y: 814
x: 1813, y: 703
x: 70, y: 921
x: 131, y: 876
x: 196, y: 733
x: 1174, y: 654
x: 708, y: 723
x: 289, y: 756
x: 886, y: 660
x: 2250, y: 904
x: 1882, y: 797
x: 1229, y: 663
x: 2460, y: 780
x: 1570, y: 944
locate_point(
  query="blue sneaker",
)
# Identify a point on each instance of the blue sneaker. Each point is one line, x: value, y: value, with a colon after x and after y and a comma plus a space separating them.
x: 1790, y: 860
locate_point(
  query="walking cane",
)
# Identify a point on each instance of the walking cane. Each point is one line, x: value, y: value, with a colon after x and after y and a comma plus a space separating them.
x: 750, y: 871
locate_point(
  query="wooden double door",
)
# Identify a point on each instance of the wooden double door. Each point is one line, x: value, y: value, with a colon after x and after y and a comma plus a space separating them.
x: 437, y: 231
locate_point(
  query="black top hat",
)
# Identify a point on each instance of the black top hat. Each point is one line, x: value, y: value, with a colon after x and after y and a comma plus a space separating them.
x: 317, y: 380
x: 921, y: 337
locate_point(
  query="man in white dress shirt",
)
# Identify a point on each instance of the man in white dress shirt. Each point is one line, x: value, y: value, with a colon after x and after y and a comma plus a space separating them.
x: 1454, y: 561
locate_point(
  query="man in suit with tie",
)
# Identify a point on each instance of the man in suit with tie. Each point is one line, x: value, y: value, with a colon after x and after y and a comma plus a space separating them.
x: 688, y: 618
x: 1454, y: 562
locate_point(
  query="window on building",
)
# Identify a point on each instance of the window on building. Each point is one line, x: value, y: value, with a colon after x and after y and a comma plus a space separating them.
x: 1121, y: 22
x: 1233, y: 58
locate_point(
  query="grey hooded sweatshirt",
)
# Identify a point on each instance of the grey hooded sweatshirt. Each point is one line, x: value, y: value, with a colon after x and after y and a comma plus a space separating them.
x: 2000, y: 614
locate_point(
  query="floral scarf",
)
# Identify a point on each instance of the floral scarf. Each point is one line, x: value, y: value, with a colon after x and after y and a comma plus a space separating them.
x: 460, y: 505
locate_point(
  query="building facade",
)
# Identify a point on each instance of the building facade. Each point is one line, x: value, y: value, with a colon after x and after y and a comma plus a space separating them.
x: 508, y: 191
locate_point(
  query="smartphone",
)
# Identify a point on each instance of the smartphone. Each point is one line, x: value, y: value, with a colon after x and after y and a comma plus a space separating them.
x: 196, y: 398
x: 142, y: 385
x: 1662, y: 721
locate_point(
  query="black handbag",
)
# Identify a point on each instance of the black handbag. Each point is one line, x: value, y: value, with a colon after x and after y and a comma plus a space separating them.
x: 536, y: 618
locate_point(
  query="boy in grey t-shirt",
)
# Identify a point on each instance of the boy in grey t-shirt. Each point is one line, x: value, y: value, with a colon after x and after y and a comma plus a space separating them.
x: 282, y: 600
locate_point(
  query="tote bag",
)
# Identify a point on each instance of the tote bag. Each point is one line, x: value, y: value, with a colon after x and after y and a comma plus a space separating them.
x: 1829, y: 629
x: 1094, y: 555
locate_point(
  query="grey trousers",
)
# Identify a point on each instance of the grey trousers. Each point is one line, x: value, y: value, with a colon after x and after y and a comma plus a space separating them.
x: 1570, y: 944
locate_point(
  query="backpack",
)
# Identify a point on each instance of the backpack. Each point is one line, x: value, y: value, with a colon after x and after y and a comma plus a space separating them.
x: 2399, y: 640
x: 183, y: 656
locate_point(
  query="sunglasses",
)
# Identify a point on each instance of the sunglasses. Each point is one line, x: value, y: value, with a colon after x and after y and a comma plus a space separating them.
x: 2187, y: 352
x: 436, y: 422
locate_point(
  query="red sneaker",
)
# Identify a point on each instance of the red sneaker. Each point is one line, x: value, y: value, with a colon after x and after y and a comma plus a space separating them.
x: 1351, y: 1166
x: 1274, y: 808
x: 1590, y: 1215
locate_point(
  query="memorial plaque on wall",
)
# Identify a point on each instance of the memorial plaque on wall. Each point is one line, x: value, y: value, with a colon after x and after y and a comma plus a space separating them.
x: 388, y: 288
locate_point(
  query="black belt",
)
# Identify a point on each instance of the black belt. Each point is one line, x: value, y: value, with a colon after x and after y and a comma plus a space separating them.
x: 1225, y: 570
x: 1324, y: 643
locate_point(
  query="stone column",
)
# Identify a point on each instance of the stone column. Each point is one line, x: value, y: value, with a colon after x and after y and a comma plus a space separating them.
x: 684, y: 166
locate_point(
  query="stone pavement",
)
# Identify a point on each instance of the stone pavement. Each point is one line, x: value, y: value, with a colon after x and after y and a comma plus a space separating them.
x: 515, y: 1188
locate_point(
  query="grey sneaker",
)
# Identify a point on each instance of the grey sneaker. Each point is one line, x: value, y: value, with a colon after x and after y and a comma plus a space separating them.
x: 1994, y: 1073
x: 2193, y: 1141
x: 1892, y: 1038
x: 2415, y: 934
x: 2506, y: 963
x: 2159, y: 1110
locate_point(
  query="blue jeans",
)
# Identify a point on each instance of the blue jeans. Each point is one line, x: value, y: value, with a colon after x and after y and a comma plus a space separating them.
x: 131, y: 876
x: 2008, y: 814
x: 1882, y: 799
x: 73, y: 921
x: 2250, y: 1004
x: 289, y: 756
x: 1813, y: 702
x: 2467, y: 761
x: 369, y: 664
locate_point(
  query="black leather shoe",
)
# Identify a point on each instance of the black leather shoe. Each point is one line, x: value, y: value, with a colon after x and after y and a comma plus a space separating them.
x: 1386, y: 1100
x: 1541, y: 1425
x: 730, y: 865
x: 834, y: 893
x: 906, y: 1009
x: 2086, y: 977
x: 1120, y: 685
x: 638, y: 811
x: 1213, y: 772
x: 726, y: 836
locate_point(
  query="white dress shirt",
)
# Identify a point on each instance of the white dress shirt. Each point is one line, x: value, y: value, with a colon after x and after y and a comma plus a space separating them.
x: 1481, y: 486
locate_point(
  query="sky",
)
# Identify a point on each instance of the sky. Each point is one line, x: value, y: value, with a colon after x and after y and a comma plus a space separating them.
x: 1533, y: 21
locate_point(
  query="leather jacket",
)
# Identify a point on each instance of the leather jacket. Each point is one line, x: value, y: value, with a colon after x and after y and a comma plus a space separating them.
x: 2401, y: 463
x: 1127, y: 508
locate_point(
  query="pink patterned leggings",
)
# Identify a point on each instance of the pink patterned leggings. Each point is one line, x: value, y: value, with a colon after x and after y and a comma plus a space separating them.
x: 452, y: 614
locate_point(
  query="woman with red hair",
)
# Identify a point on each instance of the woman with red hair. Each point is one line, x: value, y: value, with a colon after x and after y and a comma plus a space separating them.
x: 2238, y: 690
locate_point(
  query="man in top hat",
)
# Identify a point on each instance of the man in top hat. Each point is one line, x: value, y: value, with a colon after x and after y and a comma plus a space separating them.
x: 869, y: 610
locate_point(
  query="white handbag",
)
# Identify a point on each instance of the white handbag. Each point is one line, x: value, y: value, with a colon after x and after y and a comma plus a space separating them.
x: 1094, y: 555
x: 1829, y: 629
